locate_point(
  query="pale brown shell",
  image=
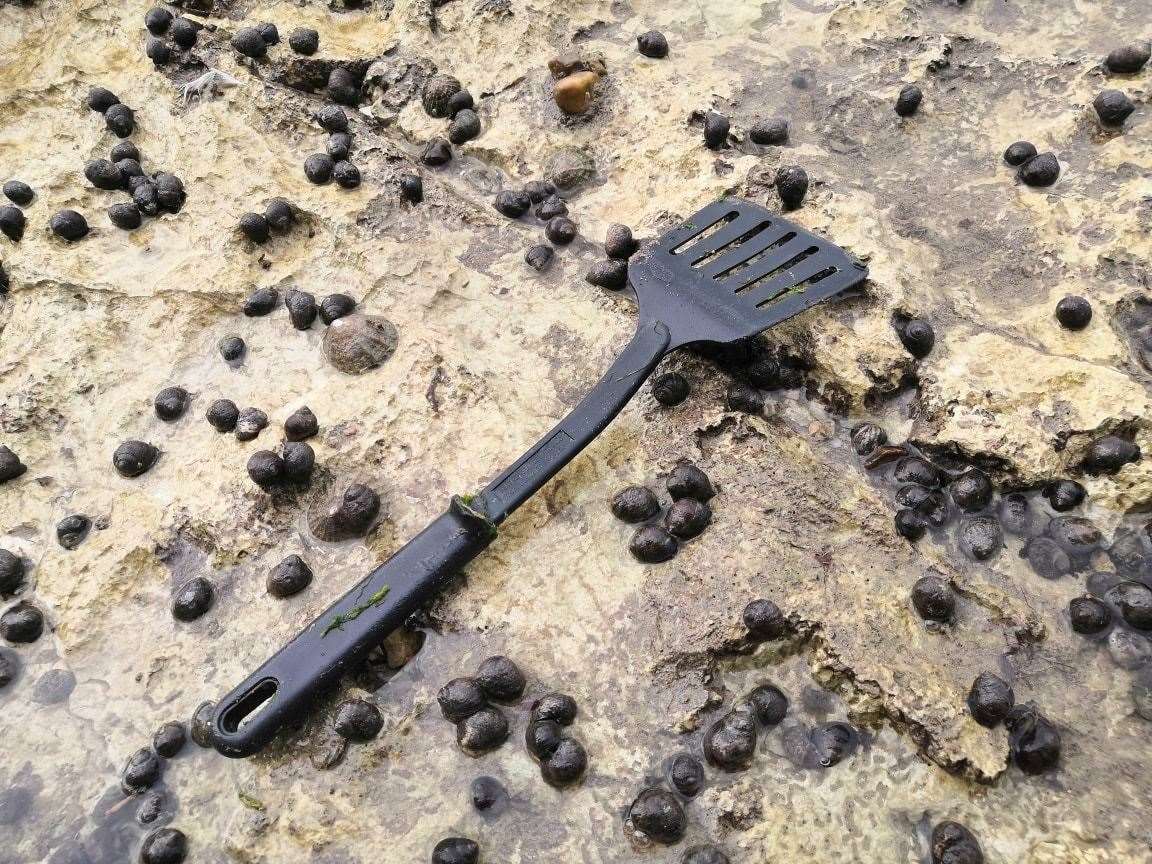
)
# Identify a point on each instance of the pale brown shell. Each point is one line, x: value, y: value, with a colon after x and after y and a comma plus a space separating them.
x: 356, y: 343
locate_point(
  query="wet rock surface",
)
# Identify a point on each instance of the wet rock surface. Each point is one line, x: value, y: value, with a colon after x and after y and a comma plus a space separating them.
x: 492, y: 352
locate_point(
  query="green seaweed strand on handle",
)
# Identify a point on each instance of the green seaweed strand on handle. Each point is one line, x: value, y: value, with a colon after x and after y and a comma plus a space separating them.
x: 338, y: 621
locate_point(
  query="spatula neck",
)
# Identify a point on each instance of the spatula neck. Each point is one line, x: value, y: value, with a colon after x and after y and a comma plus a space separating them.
x: 583, y: 423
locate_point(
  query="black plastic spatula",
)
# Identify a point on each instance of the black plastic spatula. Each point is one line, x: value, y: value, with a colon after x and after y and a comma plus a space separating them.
x: 729, y: 272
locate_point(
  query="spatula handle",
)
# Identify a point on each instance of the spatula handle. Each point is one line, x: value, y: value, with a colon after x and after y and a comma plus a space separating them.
x: 583, y: 423
x: 287, y: 685
x: 282, y: 690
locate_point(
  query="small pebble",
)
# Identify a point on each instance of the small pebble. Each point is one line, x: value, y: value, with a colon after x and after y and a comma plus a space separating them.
x: 990, y: 699
x: 1113, y: 107
x: 1089, y: 615
x: 465, y: 127
x: 560, y: 230
x: 266, y: 469
x: 1109, y: 454
x: 140, y: 772
x: 1128, y: 59
x: 952, y: 843
x: 483, y: 731
x: 436, y: 152
x: 12, y: 223
x: 358, y: 720
x: 687, y: 775
x: 653, y: 545
x: 559, y: 707
x: 412, y: 188
x: 318, y: 168
x: 730, y: 742
x: 169, y: 739
x: 126, y: 216
x: 19, y: 192
x: 456, y: 850
x: 687, y: 518
x: 764, y: 620
x: 573, y: 93
x: 269, y: 33
x: 460, y: 698
x: 10, y: 465
x: 909, y: 100
x: 933, y: 599
x: 770, y: 133
x: 652, y: 44
x: 100, y: 99
x: 255, y: 227
x: 658, y: 816
x: 166, y: 846
x: 249, y: 42
x: 22, y: 623
x: 223, y: 414
x: 688, y: 481
x: 336, y: 306
x: 791, y: 185
x: 500, y: 679
x: 304, y: 40
x: 120, y: 120
x: 716, y: 128
x: 512, y: 203
x: 1073, y: 312
x: 69, y: 225
x: 157, y: 20
x: 488, y: 795
x: 193, y: 599
x: 184, y: 32
x: 133, y: 458
x: 1034, y: 741
x: 1041, y: 170
x: 608, y: 273
x: 539, y: 257
x: 11, y: 573
x: 1064, y: 495
x: 670, y: 389
x: 71, y: 530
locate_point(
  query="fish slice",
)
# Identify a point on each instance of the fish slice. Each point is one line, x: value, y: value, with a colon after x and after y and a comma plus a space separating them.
x: 729, y: 272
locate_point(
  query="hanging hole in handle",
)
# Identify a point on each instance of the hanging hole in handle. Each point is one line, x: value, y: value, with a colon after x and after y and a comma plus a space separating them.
x: 248, y: 706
